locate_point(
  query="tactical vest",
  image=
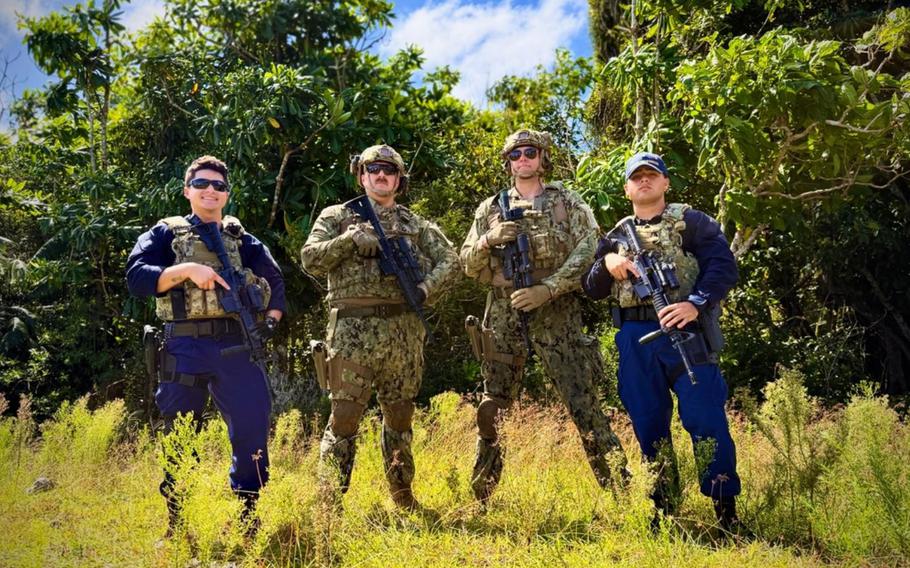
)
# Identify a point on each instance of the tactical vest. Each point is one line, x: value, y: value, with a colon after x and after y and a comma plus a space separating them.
x: 188, y: 301
x: 361, y: 278
x: 549, y: 235
x: 666, y: 238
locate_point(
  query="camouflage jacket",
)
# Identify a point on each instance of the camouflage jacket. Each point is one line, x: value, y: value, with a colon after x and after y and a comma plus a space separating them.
x: 330, y: 251
x: 563, y: 239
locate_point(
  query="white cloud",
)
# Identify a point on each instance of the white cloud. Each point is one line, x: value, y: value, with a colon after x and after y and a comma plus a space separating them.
x: 136, y: 14
x: 140, y: 13
x: 9, y: 16
x: 486, y: 41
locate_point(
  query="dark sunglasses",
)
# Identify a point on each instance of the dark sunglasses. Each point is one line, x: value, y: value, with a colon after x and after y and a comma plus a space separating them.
x: 530, y: 153
x: 387, y: 169
x: 217, y: 184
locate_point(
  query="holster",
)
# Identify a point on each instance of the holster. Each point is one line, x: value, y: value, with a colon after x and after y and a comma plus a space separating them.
x: 319, y: 351
x: 709, y: 321
x: 483, y: 347
x: 330, y: 371
x: 151, y: 347
x: 472, y: 326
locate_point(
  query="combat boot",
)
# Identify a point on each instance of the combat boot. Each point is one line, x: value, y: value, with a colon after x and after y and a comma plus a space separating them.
x: 338, y: 454
x: 487, y: 469
x: 729, y: 521
x: 248, y: 518
x: 166, y: 488
x: 403, y: 497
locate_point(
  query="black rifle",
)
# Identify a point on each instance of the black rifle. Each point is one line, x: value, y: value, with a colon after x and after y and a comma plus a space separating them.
x: 243, y: 300
x: 516, y: 263
x: 395, y: 257
x: 656, y: 278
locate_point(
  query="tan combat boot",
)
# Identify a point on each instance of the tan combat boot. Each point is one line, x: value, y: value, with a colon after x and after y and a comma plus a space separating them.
x: 404, y: 497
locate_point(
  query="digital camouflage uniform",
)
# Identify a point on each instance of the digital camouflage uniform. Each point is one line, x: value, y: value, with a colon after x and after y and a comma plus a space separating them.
x: 373, y: 340
x: 563, y: 239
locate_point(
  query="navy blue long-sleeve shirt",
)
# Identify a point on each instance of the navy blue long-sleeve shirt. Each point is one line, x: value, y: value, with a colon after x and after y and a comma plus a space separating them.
x: 153, y: 253
x: 702, y: 237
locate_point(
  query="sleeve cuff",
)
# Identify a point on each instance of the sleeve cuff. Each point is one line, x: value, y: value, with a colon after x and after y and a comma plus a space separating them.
x: 699, y: 301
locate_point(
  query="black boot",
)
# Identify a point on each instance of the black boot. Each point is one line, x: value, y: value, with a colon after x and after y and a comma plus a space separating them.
x: 729, y: 521
x: 248, y: 517
x: 166, y: 488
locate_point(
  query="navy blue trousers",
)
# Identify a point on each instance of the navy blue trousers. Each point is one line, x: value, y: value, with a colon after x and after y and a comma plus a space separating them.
x: 238, y: 390
x: 644, y: 388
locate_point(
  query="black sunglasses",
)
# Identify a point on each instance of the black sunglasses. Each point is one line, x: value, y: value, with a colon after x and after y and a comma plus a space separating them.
x: 387, y: 169
x: 530, y: 153
x: 217, y: 184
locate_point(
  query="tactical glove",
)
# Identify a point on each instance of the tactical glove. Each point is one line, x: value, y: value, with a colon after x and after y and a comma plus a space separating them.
x: 528, y: 299
x: 502, y: 233
x: 266, y: 329
x: 365, y: 240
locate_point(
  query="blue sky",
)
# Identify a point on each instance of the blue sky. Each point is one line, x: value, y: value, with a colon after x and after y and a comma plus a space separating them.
x: 482, y: 39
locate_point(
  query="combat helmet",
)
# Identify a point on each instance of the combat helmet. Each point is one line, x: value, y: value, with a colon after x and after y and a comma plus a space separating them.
x: 380, y: 153
x: 527, y: 137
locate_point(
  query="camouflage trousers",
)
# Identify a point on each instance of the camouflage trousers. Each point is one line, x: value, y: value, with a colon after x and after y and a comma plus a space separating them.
x: 385, y: 354
x: 571, y: 360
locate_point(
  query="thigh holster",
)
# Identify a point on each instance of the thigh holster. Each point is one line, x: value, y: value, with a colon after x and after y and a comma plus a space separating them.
x: 330, y: 371
x: 167, y: 373
x: 484, y: 349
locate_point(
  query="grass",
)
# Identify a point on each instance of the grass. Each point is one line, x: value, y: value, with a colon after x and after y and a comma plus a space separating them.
x: 821, y: 488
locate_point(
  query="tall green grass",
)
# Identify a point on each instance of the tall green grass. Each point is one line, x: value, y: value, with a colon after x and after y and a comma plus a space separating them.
x: 820, y: 487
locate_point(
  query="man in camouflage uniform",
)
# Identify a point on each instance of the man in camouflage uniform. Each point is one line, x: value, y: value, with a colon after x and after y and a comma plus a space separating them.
x: 562, y: 233
x: 706, y: 269
x: 374, y: 339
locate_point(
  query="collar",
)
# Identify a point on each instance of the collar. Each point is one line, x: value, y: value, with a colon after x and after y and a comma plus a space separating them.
x: 651, y: 221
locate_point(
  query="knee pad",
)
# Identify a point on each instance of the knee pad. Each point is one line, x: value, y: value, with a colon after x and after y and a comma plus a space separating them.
x: 345, y: 417
x: 487, y: 412
x: 398, y: 415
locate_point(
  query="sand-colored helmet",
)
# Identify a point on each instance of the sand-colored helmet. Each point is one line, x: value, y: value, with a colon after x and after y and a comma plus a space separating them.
x: 380, y: 153
x: 527, y: 137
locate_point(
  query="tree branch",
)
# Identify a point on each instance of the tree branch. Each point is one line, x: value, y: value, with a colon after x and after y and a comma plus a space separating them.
x: 741, y: 245
x: 285, y: 159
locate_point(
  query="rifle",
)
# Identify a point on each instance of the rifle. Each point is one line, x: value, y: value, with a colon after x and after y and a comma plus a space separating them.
x: 516, y: 263
x: 395, y: 257
x: 656, y: 277
x: 243, y: 300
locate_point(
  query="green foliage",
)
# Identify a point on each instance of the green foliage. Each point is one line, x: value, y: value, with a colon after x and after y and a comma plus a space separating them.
x: 84, y: 435
x: 867, y: 509
x: 548, y: 509
x: 799, y: 455
x: 787, y: 120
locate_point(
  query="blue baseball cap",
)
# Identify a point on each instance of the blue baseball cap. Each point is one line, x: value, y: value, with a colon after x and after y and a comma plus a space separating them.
x: 640, y: 159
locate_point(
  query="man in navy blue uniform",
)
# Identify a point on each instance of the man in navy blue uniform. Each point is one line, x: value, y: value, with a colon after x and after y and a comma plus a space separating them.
x: 693, y: 242
x: 171, y: 263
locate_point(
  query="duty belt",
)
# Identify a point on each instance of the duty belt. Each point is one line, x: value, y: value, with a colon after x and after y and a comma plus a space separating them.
x: 380, y: 310
x: 635, y: 313
x: 217, y: 327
